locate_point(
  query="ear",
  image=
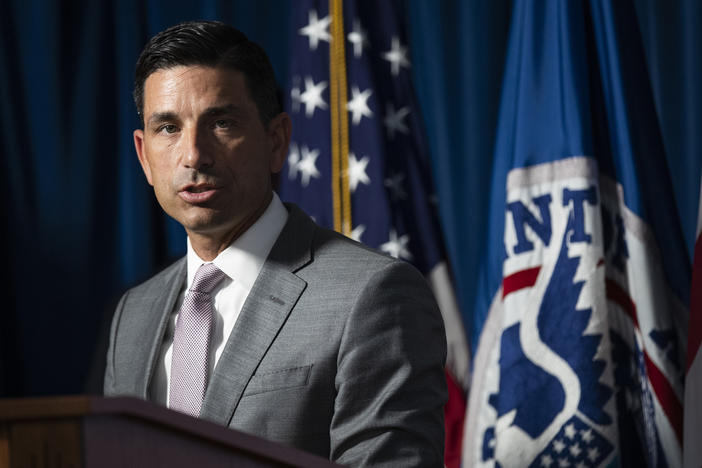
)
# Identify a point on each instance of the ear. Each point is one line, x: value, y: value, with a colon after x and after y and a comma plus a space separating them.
x: 141, y: 154
x: 279, y: 130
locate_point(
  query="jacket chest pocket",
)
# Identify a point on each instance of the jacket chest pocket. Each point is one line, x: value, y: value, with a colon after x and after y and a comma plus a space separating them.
x: 277, y: 380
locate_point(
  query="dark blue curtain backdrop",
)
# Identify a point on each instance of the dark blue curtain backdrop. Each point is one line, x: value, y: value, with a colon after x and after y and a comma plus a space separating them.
x: 81, y: 224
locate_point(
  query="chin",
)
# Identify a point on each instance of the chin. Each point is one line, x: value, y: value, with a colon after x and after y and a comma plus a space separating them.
x: 204, y: 226
x: 208, y: 223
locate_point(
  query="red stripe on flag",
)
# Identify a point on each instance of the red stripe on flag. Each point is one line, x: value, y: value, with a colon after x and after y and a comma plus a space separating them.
x: 660, y: 384
x: 617, y: 294
x: 519, y: 280
x: 666, y: 396
x: 454, y: 414
x: 695, y: 328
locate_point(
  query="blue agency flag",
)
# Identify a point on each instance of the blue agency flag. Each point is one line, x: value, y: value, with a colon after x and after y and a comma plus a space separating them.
x: 581, y: 314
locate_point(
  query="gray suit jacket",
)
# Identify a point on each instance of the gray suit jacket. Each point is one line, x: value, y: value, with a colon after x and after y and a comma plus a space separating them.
x: 338, y: 350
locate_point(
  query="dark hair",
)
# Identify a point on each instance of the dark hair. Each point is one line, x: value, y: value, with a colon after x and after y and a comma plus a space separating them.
x: 211, y: 44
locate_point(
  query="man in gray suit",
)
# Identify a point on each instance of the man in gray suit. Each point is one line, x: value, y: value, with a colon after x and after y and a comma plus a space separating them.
x: 271, y: 324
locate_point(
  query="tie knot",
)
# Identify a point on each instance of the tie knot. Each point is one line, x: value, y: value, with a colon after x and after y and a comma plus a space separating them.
x: 206, y: 278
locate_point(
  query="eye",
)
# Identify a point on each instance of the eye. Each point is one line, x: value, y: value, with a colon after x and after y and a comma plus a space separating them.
x: 168, y: 128
x: 223, y: 123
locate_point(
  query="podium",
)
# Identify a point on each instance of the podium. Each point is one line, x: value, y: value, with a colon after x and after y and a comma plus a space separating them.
x: 91, y: 432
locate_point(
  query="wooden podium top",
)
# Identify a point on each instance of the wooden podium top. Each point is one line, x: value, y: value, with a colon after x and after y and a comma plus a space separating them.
x: 71, y: 407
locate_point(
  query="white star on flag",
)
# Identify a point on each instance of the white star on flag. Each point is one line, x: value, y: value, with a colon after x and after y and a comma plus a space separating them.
x: 397, y: 247
x: 316, y: 30
x: 312, y: 97
x: 358, y: 38
x: 397, y: 56
x: 575, y: 450
x: 558, y: 446
x: 357, y: 232
x: 587, y: 435
x: 308, y: 165
x: 394, y: 121
x: 593, y: 453
x: 293, y: 160
x: 563, y: 463
x: 358, y: 105
x: 546, y: 461
x: 357, y: 171
x: 394, y: 184
x: 570, y: 431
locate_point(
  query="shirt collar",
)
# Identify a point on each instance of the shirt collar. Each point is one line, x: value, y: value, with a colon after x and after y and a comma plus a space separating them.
x: 244, y: 258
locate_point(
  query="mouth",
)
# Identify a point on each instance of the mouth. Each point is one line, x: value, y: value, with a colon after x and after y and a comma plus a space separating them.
x: 197, y: 193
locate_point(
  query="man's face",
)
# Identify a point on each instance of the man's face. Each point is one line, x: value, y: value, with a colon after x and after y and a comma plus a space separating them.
x: 205, y: 150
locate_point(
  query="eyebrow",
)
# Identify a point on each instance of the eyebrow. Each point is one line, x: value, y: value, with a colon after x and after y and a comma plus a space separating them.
x: 221, y: 110
x: 158, y: 117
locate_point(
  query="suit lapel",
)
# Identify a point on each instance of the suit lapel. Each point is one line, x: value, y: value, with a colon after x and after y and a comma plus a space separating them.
x: 274, y: 294
x: 157, y: 319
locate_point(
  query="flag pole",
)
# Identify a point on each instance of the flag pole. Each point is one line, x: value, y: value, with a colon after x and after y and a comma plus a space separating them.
x: 339, y: 122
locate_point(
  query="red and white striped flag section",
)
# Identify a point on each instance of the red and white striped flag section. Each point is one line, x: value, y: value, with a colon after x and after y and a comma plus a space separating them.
x: 692, y: 439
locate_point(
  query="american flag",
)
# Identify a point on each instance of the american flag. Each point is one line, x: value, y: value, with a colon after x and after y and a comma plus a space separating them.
x: 358, y: 161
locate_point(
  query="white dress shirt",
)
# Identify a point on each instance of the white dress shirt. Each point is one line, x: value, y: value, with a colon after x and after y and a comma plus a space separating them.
x: 241, y: 262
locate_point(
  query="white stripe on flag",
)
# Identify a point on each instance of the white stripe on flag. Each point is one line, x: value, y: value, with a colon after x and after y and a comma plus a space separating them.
x: 458, y: 359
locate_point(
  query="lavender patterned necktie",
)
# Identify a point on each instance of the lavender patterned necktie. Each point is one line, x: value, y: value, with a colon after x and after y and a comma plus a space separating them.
x: 191, y: 343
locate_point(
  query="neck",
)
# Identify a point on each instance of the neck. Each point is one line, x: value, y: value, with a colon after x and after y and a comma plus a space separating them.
x: 207, y: 245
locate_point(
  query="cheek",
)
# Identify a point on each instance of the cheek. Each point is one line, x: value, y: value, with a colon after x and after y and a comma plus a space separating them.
x: 247, y: 164
x: 162, y: 193
x: 162, y: 179
x: 160, y: 162
x: 255, y: 175
x: 157, y: 175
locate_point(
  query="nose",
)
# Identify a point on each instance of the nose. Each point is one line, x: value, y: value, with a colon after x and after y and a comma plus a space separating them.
x: 195, y: 150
